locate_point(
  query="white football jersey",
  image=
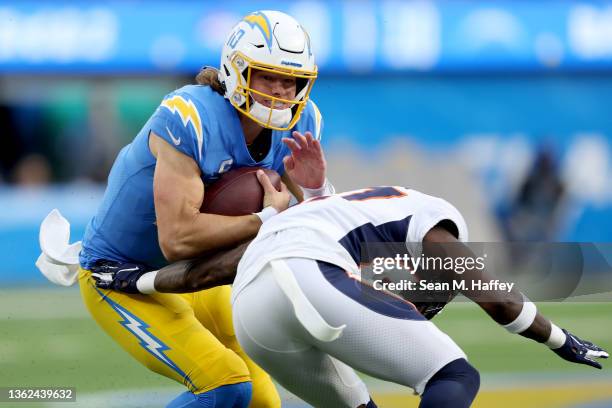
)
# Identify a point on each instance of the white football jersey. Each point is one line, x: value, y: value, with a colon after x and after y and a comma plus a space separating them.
x: 333, y: 228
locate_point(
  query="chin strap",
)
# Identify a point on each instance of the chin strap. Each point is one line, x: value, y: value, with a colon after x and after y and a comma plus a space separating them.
x: 279, y: 118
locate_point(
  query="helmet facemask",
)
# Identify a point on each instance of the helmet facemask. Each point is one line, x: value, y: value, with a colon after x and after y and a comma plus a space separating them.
x: 269, y: 117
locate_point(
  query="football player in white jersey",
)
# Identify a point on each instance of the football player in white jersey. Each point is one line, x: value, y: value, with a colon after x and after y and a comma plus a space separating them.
x: 302, y: 312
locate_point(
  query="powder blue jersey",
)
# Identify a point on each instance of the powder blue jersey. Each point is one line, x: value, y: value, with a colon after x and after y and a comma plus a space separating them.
x: 198, y: 122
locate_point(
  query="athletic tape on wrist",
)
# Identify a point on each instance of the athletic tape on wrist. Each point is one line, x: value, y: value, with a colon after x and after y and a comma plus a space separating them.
x: 146, y: 283
x: 267, y: 213
x: 524, y: 319
x: 326, y: 189
x: 557, y: 337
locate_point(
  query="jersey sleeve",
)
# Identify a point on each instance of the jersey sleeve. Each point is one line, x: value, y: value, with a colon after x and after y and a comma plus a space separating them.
x: 178, y: 121
x: 434, y: 211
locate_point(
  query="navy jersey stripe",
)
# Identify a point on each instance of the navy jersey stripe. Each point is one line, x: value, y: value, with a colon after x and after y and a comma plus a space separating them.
x: 380, y: 302
x: 389, y: 232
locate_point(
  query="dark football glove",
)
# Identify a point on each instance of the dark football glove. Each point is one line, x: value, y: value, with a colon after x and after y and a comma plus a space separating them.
x: 121, y: 278
x: 430, y: 310
x: 580, y: 351
x: 430, y: 304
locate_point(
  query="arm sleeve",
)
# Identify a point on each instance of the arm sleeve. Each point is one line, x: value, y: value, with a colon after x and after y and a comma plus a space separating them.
x: 177, y: 120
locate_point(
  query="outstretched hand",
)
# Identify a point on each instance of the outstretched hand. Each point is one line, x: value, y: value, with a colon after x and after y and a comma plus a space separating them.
x: 580, y: 351
x: 306, y: 164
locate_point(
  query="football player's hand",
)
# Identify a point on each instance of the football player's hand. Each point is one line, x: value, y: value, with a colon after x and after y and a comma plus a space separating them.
x: 272, y: 197
x: 121, y: 278
x: 580, y: 351
x: 306, y: 165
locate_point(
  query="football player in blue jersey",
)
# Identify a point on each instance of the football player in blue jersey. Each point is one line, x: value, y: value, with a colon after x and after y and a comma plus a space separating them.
x: 254, y: 111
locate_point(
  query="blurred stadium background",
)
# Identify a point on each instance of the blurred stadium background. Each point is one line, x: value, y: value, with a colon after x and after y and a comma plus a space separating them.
x: 501, y: 107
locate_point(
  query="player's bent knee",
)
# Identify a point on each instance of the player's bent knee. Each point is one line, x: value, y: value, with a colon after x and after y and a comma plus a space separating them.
x: 264, y: 394
x: 226, y: 396
x: 453, y: 386
x: 266, y: 398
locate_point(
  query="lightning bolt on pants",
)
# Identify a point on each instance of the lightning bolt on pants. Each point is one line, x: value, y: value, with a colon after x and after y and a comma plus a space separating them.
x: 188, y: 338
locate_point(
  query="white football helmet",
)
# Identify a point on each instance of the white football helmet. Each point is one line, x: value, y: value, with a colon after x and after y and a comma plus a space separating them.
x: 268, y: 41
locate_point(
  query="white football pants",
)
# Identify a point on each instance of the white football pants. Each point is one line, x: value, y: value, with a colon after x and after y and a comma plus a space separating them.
x: 398, y: 349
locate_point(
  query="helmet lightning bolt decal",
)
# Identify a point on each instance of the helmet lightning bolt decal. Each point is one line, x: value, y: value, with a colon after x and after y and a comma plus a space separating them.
x: 259, y: 20
x: 148, y: 341
x: 188, y: 113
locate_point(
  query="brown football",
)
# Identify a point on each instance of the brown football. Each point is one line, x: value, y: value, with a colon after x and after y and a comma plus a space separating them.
x: 237, y: 192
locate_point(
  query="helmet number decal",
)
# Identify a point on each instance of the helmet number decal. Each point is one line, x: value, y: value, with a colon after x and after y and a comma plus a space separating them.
x: 233, y: 40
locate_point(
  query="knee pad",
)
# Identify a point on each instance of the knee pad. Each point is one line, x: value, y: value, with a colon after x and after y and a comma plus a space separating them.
x: 461, y: 371
x: 455, y: 385
x: 225, y: 396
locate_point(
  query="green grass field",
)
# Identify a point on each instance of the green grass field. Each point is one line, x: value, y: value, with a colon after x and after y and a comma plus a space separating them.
x: 47, y: 339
